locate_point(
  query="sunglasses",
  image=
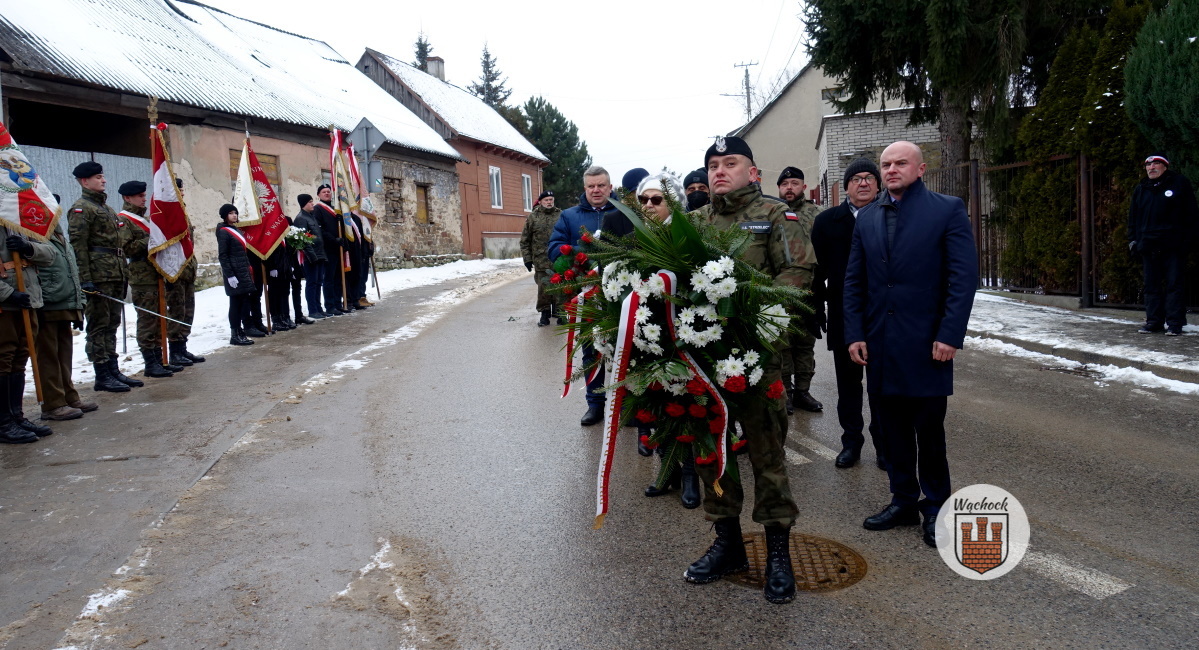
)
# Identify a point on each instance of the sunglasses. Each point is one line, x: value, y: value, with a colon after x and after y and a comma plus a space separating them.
x: 655, y: 200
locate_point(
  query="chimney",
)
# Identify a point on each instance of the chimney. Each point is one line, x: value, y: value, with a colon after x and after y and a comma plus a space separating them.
x: 436, y: 66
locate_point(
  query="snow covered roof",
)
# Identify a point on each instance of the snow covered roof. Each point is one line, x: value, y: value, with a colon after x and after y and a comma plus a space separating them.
x: 191, y: 54
x: 465, y: 113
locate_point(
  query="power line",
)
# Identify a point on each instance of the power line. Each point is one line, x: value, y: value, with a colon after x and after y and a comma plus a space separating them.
x: 749, y: 113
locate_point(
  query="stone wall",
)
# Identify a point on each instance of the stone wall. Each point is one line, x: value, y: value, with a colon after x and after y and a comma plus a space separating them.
x: 399, y: 237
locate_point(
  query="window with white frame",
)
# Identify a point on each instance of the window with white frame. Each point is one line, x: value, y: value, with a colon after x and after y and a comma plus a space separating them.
x: 526, y: 185
x: 497, y: 189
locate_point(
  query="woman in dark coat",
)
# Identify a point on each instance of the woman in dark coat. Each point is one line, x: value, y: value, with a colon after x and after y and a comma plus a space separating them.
x: 235, y: 269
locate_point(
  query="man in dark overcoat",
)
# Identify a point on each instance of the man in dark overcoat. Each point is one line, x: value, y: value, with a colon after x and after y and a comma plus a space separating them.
x: 909, y: 288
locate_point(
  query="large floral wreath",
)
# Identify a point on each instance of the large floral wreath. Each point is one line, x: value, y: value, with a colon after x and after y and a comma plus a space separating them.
x: 686, y: 329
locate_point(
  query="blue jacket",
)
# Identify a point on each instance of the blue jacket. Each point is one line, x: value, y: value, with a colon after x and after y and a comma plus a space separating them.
x: 568, y: 228
x: 900, y: 301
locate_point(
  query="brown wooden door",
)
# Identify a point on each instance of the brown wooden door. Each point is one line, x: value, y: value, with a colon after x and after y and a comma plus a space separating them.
x: 472, y: 234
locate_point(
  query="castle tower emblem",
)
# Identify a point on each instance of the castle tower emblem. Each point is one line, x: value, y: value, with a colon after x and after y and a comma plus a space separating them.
x: 981, y: 544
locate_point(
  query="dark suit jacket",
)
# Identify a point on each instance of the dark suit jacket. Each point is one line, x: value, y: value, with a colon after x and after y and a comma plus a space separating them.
x: 900, y: 299
x: 831, y: 235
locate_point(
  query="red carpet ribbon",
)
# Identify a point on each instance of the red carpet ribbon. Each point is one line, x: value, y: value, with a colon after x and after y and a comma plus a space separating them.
x: 620, y: 368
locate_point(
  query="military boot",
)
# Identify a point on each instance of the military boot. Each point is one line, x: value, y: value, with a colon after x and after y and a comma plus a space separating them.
x: 10, y: 432
x: 195, y: 358
x: 545, y: 320
x: 114, y: 369
x: 154, y: 367
x: 16, y: 402
x: 780, y: 578
x: 689, y: 496
x: 177, y: 358
x: 105, y: 381
x: 173, y: 367
x: 726, y: 555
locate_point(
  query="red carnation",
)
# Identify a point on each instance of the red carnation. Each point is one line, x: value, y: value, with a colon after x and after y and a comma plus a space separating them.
x: 586, y: 238
x: 565, y: 249
x: 776, y: 390
x: 569, y: 275
x: 715, y: 427
x: 645, y: 442
x: 568, y: 291
x: 580, y: 258
x: 654, y: 385
x: 697, y: 411
x: 696, y: 387
x: 674, y: 409
x: 555, y: 279
x: 645, y: 416
x: 685, y: 438
x: 739, y: 444
x: 706, y: 460
x: 735, y: 384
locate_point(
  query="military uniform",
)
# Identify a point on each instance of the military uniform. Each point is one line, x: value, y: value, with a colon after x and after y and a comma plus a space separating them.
x: 181, y: 305
x: 780, y: 248
x: 98, y: 236
x: 14, y: 344
x: 534, y: 240
x: 799, y: 360
x: 143, y: 280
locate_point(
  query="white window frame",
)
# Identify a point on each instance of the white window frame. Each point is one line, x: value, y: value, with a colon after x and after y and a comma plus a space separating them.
x: 526, y: 186
x: 497, y: 186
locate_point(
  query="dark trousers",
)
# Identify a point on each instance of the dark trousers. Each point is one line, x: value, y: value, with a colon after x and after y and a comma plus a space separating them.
x: 914, y: 431
x: 296, y: 281
x: 1165, y: 289
x: 364, y: 275
x: 239, y: 310
x: 595, y: 387
x: 333, y: 295
x: 279, y: 288
x: 314, y: 275
x: 849, y: 404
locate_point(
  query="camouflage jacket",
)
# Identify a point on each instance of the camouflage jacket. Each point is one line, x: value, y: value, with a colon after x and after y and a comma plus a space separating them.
x: 781, y: 247
x: 98, y: 236
x: 807, y: 211
x: 141, y: 271
x: 535, y: 238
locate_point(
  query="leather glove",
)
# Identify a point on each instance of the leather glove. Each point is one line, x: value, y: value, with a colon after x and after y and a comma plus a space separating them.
x: 88, y: 287
x: 232, y: 280
x: 822, y: 320
x: 529, y: 266
x: 19, y: 244
x: 77, y: 324
x: 21, y: 299
x: 274, y: 273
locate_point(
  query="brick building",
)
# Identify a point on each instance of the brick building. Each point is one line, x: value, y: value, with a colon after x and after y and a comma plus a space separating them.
x: 500, y: 177
x: 844, y: 138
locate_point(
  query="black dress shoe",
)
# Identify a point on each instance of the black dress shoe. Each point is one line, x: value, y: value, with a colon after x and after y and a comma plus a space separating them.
x: 848, y: 457
x: 930, y: 530
x: 804, y: 400
x: 790, y: 408
x: 593, y: 415
x: 890, y: 517
x: 642, y: 430
x: 881, y: 460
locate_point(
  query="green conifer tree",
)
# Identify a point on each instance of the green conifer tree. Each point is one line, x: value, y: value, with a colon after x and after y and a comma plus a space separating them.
x: 558, y: 138
x: 1162, y: 83
x: 491, y: 85
x: 423, y: 52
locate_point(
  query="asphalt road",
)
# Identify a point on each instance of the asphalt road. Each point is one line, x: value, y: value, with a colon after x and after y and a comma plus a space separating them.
x: 408, y: 477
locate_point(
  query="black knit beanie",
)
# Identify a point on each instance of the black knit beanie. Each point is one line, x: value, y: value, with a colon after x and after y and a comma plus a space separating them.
x: 862, y: 166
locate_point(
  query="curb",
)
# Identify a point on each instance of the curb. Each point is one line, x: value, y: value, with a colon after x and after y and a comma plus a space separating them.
x: 1083, y: 356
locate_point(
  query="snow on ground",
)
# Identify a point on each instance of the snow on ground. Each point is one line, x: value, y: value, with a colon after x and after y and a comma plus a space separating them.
x: 211, y: 329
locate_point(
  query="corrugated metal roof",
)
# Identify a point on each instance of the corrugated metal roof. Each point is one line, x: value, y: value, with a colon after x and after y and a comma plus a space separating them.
x: 465, y: 113
x: 192, y: 54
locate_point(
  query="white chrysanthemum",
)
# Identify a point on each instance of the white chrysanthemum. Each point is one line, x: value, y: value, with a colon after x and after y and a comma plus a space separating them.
x: 700, y: 282
x: 734, y: 366
x: 612, y: 291
x: 755, y: 376
x: 676, y: 389
x: 727, y: 264
x: 687, y: 315
x: 625, y: 278
x: 612, y: 270
x: 771, y: 322
x: 714, y: 270
x: 752, y: 358
x: 722, y: 289
x: 642, y: 314
x: 707, y: 312
x: 656, y: 285
x: 651, y: 331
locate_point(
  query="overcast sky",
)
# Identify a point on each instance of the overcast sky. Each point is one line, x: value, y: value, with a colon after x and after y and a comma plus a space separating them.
x: 642, y: 80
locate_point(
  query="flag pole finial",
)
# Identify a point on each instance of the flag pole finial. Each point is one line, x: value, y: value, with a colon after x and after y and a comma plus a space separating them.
x: 152, y: 110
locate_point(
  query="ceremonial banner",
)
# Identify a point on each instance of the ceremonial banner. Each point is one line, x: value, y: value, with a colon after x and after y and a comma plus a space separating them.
x: 344, y: 201
x: 260, y: 216
x: 26, y: 205
x: 170, y: 245
x: 366, y: 207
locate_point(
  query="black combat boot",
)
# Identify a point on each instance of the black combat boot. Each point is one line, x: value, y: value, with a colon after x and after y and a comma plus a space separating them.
x: 545, y: 320
x: 725, y: 557
x: 195, y: 358
x: 10, y: 432
x: 114, y: 369
x: 173, y: 367
x: 248, y: 329
x: 780, y: 579
x: 689, y: 496
x: 178, y: 356
x: 105, y: 381
x: 278, y: 324
x: 16, y: 402
x: 154, y: 367
x: 238, y: 337
x: 642, y: 430
x: 672, y: 481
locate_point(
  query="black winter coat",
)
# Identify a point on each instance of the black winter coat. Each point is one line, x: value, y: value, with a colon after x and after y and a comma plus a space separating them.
x: 832, y: 234
x: 309, y: 222
x: 1162, y: 214
x: 235, y: 262
x: 330, y: 227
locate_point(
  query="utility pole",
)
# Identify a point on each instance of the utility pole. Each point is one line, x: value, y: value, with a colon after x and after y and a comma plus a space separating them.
x: 748, y: 95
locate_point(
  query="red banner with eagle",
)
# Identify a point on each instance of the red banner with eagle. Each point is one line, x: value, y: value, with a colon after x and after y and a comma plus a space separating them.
x: 260, y: 216
x: 26, y: 205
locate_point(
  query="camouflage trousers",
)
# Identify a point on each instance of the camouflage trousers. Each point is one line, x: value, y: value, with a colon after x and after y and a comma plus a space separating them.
x: 800, y: 360
x: 545, y: 300
x: 181, y: 305
x: 14, y: 346
x: 103, y: 317
x: 149, y: 334
x: 765, y: 430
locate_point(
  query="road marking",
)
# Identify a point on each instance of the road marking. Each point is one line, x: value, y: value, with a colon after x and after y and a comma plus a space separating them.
x: 795, y: 456
x: 814, y: 445
x: 1096, y: 584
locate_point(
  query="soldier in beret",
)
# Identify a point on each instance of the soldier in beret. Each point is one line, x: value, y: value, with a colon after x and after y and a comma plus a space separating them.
x: 181, y: 306
x: 98, y: 236
x: 780, y: 249
x: 143, y: 278
x: 534, y: 240
x: 799, y: 362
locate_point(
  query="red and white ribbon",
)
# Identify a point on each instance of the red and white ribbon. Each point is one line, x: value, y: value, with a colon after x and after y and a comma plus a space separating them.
x: 620, y: 369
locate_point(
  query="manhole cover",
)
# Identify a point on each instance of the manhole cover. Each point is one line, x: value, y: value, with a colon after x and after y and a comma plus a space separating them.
x: 819, y: 564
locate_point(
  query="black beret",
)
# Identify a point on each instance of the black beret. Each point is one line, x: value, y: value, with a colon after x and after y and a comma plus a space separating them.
x: 697, y: 176
x: 131, y: 188
x: 862, y: 166
x: 323, y: 186
x: 226, y: 209
x: 790, y: 172
x: 633, y: 178
x: 727, y: 147
x: 304, y: 199
x: 88, y: 169
x: 545, y: 194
